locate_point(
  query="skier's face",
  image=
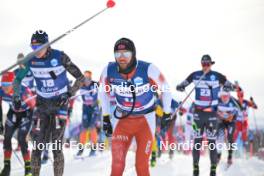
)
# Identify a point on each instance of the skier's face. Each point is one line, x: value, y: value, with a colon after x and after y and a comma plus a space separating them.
x: 88, y: 78
x: 206, y: 66
x: 42, y: 52
x: 88, y: 75
x: 123, y: 58
x: 7, y: 89
x: 225, y: 98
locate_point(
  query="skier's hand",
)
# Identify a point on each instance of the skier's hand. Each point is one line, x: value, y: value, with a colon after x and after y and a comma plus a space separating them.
x: 64, y: 99
x: 1, y: 128
x: 180, y: 88
x: 107, y: 127
x: 228, y: 88
x: 182, y: 111
x: 16, y: 102
x: 166, y: 119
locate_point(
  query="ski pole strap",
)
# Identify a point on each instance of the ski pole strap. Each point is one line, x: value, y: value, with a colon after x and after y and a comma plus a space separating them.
x: 132, y: 89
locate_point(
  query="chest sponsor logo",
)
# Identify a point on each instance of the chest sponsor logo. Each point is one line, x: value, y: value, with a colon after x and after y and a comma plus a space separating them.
x: 54, y: 62
x: 115, y: 80
x: 138, y: 81
x: 212, y: 77
x: 37, y: 63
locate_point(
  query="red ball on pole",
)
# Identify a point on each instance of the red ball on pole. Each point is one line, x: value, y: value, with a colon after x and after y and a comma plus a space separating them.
x: 110, y: 4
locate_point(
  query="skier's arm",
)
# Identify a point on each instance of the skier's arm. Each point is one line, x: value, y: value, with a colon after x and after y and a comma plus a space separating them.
x: 185, y: 83
x: 252, y: 103
x: 157, y: 79
x: 21, y: 74
x: 224, y: 82
x: 74, y: 71
x: 104, y: 93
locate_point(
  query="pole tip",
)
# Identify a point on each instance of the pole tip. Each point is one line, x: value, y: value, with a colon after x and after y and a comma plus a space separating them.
x: 110, y: 4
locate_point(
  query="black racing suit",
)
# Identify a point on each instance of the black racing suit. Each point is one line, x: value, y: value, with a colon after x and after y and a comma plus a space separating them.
x: 207, y: 87
x: 227, y: 113
x: 22, y: 122
x: 48, y: 126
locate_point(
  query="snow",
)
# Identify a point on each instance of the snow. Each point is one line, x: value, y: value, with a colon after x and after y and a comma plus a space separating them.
x: 180, y: 165
x: 100, y: 165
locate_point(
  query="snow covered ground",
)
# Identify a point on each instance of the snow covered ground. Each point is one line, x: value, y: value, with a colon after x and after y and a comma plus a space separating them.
x: 180, y: 165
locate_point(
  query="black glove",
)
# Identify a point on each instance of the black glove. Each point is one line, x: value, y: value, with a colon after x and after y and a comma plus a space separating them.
x: 64, y: 99
x: 166, y: 119
x: 107, y: 127
x: 180, y: 88
x: 16, y: 102
x: 1, y: 128
x: 181, y: 113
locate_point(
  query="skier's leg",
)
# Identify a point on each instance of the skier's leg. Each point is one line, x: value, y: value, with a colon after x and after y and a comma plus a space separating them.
x: 93, y: 139
x: 230, y: 137
x: 245, y: 130
x: 154, y: 150
x: 144, y: 137
x: 58, y: 129
x: 93, y: 132
x: 9, y: 131
x: 40, y: 137
x: 237, y: 129
x: 121, y: 140
x: 23, y: 131
x: 220, y: 139
x: 84, y: 134
x: 198, y: 130
x: 211, y: 132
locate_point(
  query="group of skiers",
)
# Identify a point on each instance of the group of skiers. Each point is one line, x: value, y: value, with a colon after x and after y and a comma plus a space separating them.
x: 126, y: 101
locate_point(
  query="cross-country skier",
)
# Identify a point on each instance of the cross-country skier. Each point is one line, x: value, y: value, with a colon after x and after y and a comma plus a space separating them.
x: 49, y: 68
x: 242, y: 119
x: 133, y: 82
x: 18, y: 118
x: 27, y: 81
x: 90, y: 113
x: 206, y: 101
x: 163, y: 130
x: 227, y: 112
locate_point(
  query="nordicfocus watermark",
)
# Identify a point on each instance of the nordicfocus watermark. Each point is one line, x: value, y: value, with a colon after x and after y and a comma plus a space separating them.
x: 198, y: 146
x: 126, y: 88
x: 59, y: 145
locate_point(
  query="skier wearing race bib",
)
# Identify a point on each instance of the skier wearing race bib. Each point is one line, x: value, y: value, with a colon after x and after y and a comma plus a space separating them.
x: 18, y: 118
x: 207, y: 86
x: 28, y: 81
x: 133, y: 83
x: 227, y: 112
x: 242, y: 119
x: 49, y: 67
x: 90, y: 113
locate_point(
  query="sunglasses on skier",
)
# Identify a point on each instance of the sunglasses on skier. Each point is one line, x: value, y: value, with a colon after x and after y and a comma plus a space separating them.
x: 126, y: 54
x: 35, y: 46
x: 206, y: 64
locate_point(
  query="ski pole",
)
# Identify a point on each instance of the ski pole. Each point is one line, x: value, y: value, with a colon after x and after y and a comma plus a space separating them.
x: 110, y: 4
x: 73, y: 97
